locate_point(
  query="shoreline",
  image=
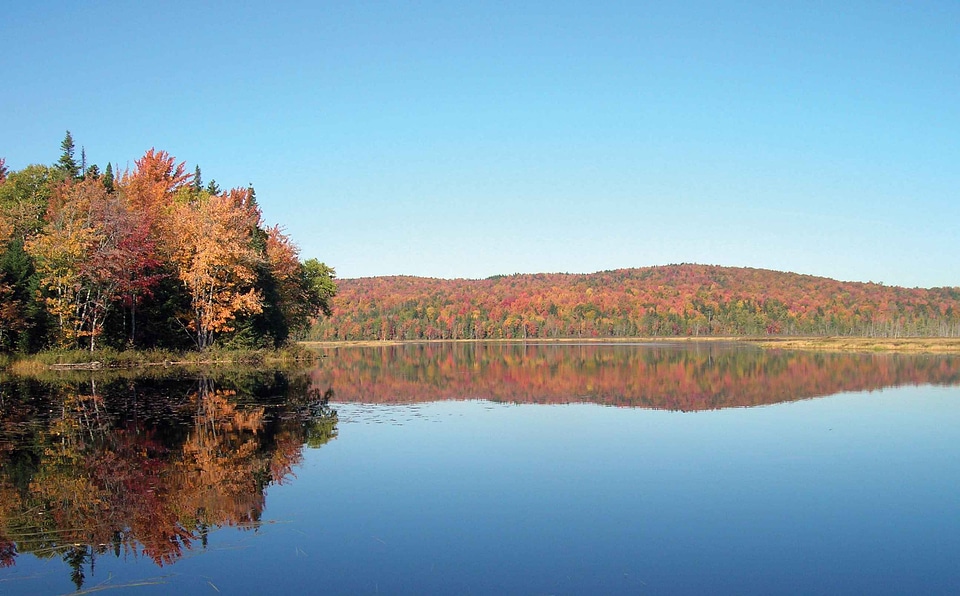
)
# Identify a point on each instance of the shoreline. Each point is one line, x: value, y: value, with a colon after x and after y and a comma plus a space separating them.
x: 910, y: 345
x: 152, y: 360
x: 310, y: 350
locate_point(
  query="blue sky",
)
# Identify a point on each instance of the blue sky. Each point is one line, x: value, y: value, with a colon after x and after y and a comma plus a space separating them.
x: 448, y: 140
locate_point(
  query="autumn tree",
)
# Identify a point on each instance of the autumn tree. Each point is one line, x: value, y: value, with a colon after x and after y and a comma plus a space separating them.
x: 154, y: 182
x: 149, y: 196
x: 69, y: 259
x: 126, y: 263
x: 216, y: 262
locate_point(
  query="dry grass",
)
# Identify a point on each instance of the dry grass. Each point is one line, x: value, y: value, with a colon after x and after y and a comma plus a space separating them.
x: 914, y: 345
x: 154, y: 362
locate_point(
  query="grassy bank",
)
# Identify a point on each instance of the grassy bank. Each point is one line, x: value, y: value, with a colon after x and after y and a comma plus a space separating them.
x: 914, y: 345
x: 152, y: 359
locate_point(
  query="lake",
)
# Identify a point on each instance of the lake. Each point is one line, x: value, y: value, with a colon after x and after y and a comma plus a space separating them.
x: 490, y: 469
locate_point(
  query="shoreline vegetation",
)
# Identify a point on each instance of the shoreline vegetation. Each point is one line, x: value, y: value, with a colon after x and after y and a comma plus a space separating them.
x: 152, y: 360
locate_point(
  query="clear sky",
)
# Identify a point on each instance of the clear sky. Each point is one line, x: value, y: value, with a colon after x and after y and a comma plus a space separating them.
x: 447, y: 139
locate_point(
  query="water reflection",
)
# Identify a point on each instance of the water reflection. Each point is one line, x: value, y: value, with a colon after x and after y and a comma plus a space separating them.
x: 115, y: 472
x: 671, y: 377
x: 90, y: 468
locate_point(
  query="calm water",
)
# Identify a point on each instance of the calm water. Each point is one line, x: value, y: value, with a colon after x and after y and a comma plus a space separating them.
x: 491, y: 469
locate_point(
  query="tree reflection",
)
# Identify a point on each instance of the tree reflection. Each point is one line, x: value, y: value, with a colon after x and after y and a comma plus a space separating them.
x: 146, y: 469
x: 672, y: 377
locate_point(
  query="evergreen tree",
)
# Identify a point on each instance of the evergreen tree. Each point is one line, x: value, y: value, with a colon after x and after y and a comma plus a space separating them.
x: 108, y: 178
x: 67, y: 163
x: 213, y: 188
x: 197, y: 180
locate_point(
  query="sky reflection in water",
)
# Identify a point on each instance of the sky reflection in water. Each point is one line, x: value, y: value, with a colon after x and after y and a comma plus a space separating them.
x: 850, y: 493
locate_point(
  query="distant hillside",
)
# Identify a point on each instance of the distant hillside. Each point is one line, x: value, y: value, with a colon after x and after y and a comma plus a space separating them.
x: 673, y: 300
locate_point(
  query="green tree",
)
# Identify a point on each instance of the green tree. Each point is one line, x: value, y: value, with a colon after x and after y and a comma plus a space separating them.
x: 24, y: 197
x: 67, y: 164
x: 108, y: 178
x: 319, y: 286
x: 23, y: 201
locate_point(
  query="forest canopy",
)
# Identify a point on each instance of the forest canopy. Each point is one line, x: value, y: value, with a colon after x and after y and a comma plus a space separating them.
x: 145, y: 258
x: 671, y: 300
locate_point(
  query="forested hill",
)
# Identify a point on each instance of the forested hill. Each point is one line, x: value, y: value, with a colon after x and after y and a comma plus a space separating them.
x: 673, y: 300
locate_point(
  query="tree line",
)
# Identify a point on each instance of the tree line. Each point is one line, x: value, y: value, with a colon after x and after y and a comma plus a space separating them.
x: 145, y: 258
x: 673, y: 300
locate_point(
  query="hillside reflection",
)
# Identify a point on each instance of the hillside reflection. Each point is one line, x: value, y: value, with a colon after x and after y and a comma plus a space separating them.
x: 146, y: 468
x: 671, y: 377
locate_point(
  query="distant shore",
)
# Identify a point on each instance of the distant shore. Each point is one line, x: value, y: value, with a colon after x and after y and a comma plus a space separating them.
x: 914, y: 345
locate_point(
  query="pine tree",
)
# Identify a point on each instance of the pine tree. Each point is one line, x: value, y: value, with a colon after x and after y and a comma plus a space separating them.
x: 108, y: 178
x: 197, y: 180
x: 67, y: 163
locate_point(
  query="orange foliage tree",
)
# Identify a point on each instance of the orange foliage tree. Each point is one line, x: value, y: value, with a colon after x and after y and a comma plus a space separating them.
x: 216, y: 261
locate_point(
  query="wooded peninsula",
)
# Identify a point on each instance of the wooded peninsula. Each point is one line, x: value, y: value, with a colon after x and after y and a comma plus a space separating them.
x: 148, y: 259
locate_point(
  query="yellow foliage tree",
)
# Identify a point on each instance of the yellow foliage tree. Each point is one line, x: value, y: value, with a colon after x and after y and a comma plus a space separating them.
x: 215, y: 259
x: 60, y: 252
